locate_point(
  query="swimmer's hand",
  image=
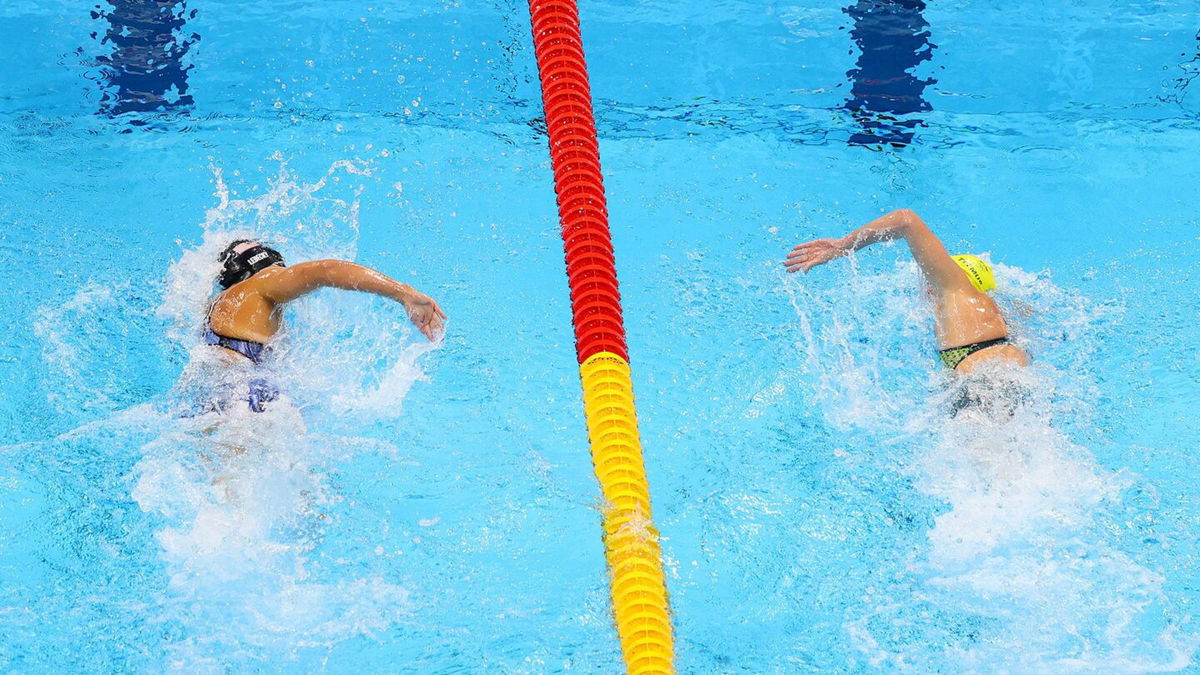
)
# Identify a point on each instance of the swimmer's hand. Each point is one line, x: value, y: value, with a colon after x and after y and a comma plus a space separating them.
x: 424, y: 313
x: 816, y: 252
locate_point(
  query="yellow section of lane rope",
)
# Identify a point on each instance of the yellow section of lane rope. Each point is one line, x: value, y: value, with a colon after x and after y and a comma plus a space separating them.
x: 639, y: 593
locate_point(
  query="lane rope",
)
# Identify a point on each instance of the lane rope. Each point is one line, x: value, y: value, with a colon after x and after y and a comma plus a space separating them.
x: 639, y: 594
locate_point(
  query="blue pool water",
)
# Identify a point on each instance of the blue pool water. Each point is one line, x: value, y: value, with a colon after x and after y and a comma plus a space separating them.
x: 431, y: 508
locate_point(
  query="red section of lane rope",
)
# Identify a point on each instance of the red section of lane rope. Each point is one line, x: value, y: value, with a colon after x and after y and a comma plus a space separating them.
x: 575, y: 156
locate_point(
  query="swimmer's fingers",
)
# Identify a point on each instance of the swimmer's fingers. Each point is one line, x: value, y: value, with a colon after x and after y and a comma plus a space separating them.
x: 420, y: 319
x: 431, y: 326
x: 795, y: 261
x: 808, y: 255
x: 816, y: 246
x: 797, y: 256
x: 427, y: 325
x: 425, y: 314
x: 436, y: 327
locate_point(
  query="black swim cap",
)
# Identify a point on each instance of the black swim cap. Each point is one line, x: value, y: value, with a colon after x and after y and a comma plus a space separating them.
x: 241, y: 266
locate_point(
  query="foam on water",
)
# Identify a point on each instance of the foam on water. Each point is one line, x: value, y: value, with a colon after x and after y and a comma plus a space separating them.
x: 243, y: 505
x: 307, y: 221
x: 96, y: 366
x: 1017, y: 557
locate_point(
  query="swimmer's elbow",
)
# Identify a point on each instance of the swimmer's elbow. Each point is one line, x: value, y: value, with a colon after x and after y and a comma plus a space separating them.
x: 911, y: 226
x: 908, y: 218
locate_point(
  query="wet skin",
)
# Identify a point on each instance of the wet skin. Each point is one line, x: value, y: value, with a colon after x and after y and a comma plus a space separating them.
x: 963, y: 315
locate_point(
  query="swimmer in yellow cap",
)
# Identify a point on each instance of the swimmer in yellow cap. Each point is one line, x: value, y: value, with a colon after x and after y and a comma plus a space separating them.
x: 969, y: 327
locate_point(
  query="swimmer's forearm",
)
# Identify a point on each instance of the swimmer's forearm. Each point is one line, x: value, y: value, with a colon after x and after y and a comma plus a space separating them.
x: 885, y: 228
x: 284, y: 284
x: 354, y: 277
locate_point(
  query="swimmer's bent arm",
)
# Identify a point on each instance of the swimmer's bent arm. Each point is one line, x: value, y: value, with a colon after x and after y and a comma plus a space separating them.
x: 284, y: 284
x: 927, y: 249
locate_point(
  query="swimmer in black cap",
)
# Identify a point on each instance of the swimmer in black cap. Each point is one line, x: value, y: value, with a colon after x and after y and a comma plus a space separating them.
x: 244, y: 317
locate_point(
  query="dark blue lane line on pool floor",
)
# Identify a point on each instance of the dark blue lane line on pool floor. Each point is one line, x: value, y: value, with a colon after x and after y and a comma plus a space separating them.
x: 885, y: 95
x: 145, y: 70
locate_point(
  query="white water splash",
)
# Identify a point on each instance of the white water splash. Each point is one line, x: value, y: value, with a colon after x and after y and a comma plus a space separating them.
x: 66, y: 355
x: 244, y: 501
x: 1017, y: 551
x: 305, y: 220
x: 94, y: 346
x: 244, y: 496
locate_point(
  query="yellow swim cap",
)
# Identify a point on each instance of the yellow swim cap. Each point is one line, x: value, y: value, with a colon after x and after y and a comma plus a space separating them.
x: 979, y: 272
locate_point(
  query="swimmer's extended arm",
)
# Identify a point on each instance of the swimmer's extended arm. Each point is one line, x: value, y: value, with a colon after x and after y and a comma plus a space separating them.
x: 927, y: 249
x: 284, y: 284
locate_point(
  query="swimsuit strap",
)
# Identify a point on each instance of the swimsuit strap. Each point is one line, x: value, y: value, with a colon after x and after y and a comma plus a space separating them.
x: 953, y: 356
x: 247, y: 348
